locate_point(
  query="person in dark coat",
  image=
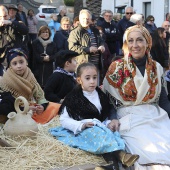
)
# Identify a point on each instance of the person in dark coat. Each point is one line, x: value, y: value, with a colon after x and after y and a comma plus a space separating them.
x: 62, y: 81
x: 159, y: 50
x: 150, y: 25
x: 110, y: 31
x: 166, y: 26
x: 11, y: 32
x: 62, y: 13
x: 122, y: 24
x: 15, y: 17
x: 21, y: 14
x: 106, y: 57
x: 101, y: 19
x: 44, y: 51
x: 61, y: 36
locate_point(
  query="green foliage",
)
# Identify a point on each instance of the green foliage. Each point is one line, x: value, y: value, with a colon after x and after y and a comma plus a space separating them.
x: 69, y: 2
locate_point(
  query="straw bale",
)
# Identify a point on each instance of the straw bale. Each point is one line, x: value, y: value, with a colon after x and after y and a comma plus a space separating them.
x: 42, y: 152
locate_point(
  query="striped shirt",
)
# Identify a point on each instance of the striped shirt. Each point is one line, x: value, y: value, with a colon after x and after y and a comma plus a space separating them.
x: 94, y: 57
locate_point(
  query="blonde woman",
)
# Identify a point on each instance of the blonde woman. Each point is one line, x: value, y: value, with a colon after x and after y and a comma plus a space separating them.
x: 61, y: 36
x: 136, y: 91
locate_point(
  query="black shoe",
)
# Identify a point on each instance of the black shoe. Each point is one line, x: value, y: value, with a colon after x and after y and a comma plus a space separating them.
x: 108, y: 157
x: 107, y: 167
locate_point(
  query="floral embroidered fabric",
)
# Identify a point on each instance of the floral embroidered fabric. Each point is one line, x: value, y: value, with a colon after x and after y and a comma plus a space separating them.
x: 121, y: 75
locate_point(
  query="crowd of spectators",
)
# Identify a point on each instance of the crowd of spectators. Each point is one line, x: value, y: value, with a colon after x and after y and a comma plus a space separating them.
x: 44, y: 62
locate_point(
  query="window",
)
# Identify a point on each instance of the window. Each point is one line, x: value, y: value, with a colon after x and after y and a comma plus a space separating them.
x: 49, y: 10
x: 147, y: 7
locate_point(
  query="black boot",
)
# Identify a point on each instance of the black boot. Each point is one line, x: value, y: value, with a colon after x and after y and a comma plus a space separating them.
x: 125, y: 158
x: 107, y: 167
x: 108, y: 157
x: 113, y: 163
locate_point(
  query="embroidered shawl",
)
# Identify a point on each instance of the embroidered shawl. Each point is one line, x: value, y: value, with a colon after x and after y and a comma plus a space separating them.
x: 126, y: 85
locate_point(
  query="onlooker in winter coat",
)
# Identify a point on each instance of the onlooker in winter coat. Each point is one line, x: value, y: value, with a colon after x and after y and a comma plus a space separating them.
x: 150, y: 25
x: 159, y: 50
x: 112, y: 35
x: 44, y: 51
x: 11, y: 31
x: 122, y: 24
x: 21, y: 14
x: 32, y: 25
x: 61, y: 36
x: 86, y: 40
x: 62, y: 12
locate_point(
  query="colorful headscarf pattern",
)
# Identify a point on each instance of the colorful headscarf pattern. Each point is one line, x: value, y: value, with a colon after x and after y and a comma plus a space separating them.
x: 143, y: 31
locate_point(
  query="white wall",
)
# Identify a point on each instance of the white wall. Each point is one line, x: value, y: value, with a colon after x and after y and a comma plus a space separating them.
x: 122, y: 2
x: 157, y: 9
x: 108, y: 4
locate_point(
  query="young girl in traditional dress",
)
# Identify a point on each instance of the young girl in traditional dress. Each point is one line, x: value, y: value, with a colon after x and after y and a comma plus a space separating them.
x: 17, y: 81
x: 84, y: 114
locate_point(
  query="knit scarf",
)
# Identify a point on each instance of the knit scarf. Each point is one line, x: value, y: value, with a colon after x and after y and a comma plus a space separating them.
x: 44, y: 43
x: 125, y: 82
x: 79, y: 107
x: 24, y: 86
x: 61, y: 70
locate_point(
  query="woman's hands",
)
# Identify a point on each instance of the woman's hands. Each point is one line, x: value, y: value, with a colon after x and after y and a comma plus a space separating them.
x: 102, y: 49
x: 93, y: 49
x: 114, y: 125
x: 37, y: 108
x: 87, y: 125
x: 46, y: 58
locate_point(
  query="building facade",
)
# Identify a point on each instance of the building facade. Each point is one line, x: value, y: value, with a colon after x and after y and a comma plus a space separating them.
x: 157, y: 8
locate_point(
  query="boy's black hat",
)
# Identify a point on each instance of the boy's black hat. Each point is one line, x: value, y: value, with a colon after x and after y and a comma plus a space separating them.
x: 64, y: 55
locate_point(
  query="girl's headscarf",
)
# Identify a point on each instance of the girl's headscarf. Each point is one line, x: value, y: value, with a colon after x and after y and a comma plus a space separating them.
x: 12, y: 53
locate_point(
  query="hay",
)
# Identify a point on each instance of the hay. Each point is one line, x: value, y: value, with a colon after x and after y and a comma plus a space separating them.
x: 42, y: 152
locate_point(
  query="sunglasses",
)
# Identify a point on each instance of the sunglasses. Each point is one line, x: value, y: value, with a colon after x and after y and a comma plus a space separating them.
x: 129, y: 13
x: 152, y: 20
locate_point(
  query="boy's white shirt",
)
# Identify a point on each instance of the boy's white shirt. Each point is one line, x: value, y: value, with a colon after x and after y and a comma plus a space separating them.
x: 75, y: 126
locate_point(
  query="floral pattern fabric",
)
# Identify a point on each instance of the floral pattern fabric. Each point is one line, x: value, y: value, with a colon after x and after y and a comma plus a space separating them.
x: 121, y: 74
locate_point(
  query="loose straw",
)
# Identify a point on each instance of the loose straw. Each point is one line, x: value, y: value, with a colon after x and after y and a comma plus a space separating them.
x: 42, y: 152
